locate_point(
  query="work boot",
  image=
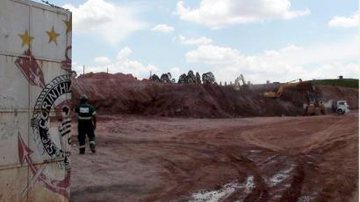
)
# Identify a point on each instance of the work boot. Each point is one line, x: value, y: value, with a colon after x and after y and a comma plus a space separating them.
x: 82, y: 151
x: 92, y: 147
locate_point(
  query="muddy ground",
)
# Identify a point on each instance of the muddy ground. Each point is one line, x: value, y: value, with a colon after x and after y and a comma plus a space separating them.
x: 244, y: 159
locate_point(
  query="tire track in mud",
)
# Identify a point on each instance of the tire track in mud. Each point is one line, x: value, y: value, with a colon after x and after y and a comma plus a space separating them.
x: 188, y: 177
x: 257, y: 137
x: 185, y: 177
x: 283, y: 184
x: 323, y: 139
x: 189, y: 167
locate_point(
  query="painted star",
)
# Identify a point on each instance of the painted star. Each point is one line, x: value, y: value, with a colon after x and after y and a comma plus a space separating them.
x: 52, y: 35
x: 26, y: 38
x: 68, y: 24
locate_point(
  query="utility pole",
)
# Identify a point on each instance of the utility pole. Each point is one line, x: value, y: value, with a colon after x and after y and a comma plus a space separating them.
x: 84, y: 69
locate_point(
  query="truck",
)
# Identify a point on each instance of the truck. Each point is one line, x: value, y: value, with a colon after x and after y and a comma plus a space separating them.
x: 341, y: 107
x: 35, y: 98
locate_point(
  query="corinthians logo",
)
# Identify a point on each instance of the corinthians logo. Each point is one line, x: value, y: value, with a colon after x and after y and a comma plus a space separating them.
x: 54, y: 95
x: 40, y: 120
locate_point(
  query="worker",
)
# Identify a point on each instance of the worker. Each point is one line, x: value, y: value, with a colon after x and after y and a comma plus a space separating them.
x: 86, y: 124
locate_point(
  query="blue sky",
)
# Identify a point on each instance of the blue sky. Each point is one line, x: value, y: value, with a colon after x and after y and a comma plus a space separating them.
x: 276, y: 40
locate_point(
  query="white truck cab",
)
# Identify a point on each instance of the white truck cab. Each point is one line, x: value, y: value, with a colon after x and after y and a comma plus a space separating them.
x: 342, y: 107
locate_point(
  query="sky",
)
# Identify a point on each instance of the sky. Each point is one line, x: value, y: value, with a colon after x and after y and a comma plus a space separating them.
x: 265, y: 40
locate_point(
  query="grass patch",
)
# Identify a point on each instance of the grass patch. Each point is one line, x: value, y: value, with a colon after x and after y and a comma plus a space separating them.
x: 350, y: 83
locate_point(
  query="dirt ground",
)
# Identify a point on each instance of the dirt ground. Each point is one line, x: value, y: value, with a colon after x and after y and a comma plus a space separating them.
x: 245, y: 159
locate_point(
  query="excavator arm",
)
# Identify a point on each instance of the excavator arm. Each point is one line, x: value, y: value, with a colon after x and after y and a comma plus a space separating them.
x: 279, y: 92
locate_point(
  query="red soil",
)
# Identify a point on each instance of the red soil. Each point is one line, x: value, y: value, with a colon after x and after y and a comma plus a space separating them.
x: 124, y: 94
x: 154, y: 158
x: 246, y: 159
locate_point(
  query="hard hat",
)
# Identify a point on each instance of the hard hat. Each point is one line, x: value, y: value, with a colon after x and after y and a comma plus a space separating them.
x: 83, y: 98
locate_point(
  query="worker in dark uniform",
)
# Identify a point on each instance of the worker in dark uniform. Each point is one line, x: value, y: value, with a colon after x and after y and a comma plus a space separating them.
x: 86, y: 124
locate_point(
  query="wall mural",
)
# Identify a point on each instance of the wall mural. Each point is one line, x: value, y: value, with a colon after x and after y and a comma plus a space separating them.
x: 30, y: 69
x: 54, y: 96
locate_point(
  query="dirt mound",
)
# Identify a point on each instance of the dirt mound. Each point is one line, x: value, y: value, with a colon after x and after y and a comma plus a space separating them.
x: 120, y: 93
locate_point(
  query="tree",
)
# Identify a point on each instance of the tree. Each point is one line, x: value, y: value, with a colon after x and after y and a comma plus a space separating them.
x: 182, y: 78
x: 208, y: 78
x: 166, y: 78
x: 191, y: 77
x: 73, y: 74
x: 155, y: 78
x: 198, y: 78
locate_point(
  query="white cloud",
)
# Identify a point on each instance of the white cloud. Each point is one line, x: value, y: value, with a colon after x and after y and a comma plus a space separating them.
x: 288, y: 63
x: 112, y: 22
x: 195, y: 41
x: 163, y: 28
x: 122, y: 64
x: 102, y: 60
x: 294, y: 14
x: 175, y: 72
x: 334, y: 69
x: 212, y: 54
x: 124, y: 54
x: 339, y: 21
x: 217, y: 13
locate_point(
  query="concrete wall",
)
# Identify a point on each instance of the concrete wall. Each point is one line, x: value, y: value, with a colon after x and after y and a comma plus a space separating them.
x: 35, y: 61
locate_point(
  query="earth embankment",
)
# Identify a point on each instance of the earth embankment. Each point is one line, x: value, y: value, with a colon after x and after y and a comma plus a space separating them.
x: 124, y: 94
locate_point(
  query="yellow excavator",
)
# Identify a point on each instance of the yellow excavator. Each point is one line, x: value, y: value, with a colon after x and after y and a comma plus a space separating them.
x: 314, y: 104
x: 279, y: 92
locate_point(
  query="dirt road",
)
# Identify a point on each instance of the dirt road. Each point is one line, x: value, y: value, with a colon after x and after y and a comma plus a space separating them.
x: 250, y: 159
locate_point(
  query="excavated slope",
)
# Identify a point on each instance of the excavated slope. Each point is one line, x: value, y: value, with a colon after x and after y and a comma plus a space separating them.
x: 124, y: 94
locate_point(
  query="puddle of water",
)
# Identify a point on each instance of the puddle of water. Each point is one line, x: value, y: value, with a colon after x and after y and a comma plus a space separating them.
x: 250, y: 185
x: 304, y: 199
x: 224, y: 192
x: 281, y: 176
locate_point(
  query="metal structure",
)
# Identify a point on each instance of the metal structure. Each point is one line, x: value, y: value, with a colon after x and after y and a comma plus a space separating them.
x: 35, y: 66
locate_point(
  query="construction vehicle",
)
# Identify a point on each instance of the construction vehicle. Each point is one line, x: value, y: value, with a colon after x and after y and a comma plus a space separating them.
x: 315, y: 105
x: 315, y: 108
x: 342, y: 107
x: 237, y: 82
x: 278, y: 93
